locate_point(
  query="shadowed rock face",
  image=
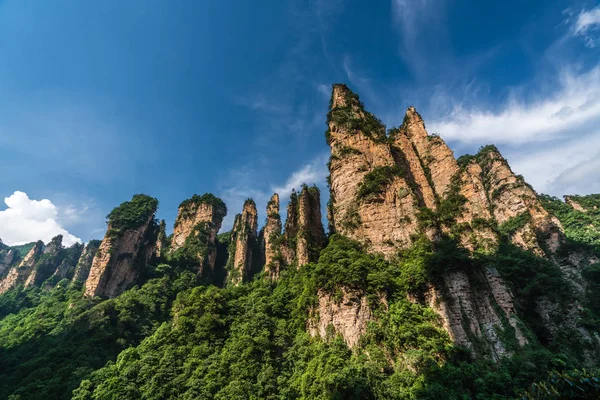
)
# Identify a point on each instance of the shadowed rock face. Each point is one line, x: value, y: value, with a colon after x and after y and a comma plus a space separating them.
x: 6, y: 260
x: 20, y: 273
x: 47, y: 264
x: 84, y: 264
x: 243, y: 239
x: 311, y: 235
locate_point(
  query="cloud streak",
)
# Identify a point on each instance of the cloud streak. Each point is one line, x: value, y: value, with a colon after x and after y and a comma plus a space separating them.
x: 587, y: 26
x: 573, y: 106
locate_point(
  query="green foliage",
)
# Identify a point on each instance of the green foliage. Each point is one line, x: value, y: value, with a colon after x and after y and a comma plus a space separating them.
x: 58, y: 338
x: 353, y: 117
x: 580, y: 227
x: 515, y: 224
x: 188, y: 206
x: 131, y: 214
x: 566, y: 385
x: 376, y: 181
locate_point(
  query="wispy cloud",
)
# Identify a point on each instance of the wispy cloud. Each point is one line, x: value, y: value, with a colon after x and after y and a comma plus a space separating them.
x: 244, y: 184
x: 312, y: 173
x: 587, y: 26
x: 572, y: 106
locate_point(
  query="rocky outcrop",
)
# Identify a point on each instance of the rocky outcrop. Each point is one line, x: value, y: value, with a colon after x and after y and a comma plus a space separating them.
x: 6, y: 259
x: 20, y: 273
x: 47, y: 264
x: 370, y: 198
x: 271, y: 238
x: 125, y: 250
x: 194, y: 235
x: 311, y: 235
x: 511, y: 198
x: 574, y: 204
x: 84, y: 264
x: 474, y: 309
x: 243, y: 240
x: 66, y: 268
x: 304, y: 236
x: 386, y: 190
x: 347, y: 317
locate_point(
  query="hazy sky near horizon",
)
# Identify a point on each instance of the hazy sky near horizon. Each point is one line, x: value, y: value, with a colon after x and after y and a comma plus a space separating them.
x: 101, y: 100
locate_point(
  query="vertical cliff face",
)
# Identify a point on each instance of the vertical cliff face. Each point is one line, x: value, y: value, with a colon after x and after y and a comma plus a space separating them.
x: 348, y: 317
x: 125, y: 249
x: 270, y: 239
x: 20, y: 273
x: 243, y: 240
x: 84, y: 264
x: 311, y: 235
x: 370, y: 198
x: 435, y: 156
x: 194, y: 234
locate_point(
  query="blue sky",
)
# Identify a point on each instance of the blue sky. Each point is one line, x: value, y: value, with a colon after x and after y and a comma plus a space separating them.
x: 101, y: 100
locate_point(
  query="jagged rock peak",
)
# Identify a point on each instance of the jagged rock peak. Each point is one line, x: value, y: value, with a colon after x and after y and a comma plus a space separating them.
x: 270, y: 238
x: 243, y: 240
x: 46, y: 267
x: 19, y: 274
x: 126, y: 248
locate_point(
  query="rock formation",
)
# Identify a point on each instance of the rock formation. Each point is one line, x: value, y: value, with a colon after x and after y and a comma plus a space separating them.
x: 270, y: 238
x: 6, y: 259
x: 125, y: 249
x: 348, y: 316
x: 20, y: 273
x: 84, y: 264
x: 243, y: 241
x: 194, y: 234
x: 311, y: 235
x: 47, y: 264
x: 387, y: 189
x: 370, y: 198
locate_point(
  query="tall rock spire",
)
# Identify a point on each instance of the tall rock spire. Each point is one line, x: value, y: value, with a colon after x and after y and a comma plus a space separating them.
x: 125, y: 249
x: 194, y: 235
x: 270, y: 241
x: 243, y: 240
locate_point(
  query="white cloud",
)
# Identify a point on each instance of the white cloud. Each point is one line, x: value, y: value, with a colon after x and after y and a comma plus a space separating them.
x: 587, y: 26
x: 574, y: 105
x: 247, y: 187
x: 27, y: 220
x: 553, y: 141
x: 312, y: 173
